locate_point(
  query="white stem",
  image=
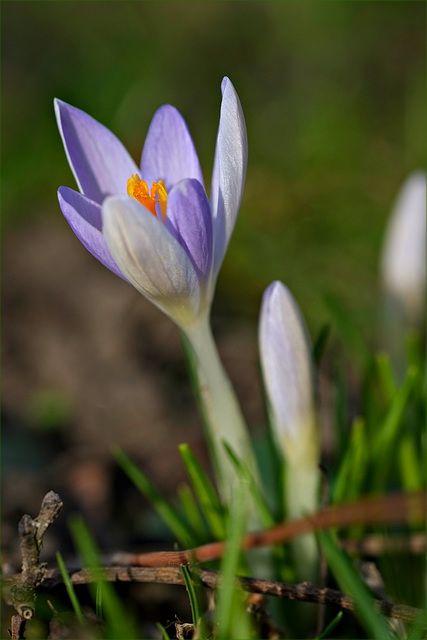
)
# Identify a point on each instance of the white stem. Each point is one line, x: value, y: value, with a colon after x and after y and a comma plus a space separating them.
x: 302, y: 484
x: 223, y: 417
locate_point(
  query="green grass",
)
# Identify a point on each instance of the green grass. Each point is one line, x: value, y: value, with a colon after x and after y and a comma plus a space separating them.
x: 119, y: 622
x: 70, y: 589
x: 350, y: 583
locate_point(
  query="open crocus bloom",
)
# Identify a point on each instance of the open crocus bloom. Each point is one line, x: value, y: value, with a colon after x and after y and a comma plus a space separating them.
x: 153, y: 225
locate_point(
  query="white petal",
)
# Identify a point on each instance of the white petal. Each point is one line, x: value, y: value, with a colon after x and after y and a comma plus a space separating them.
x: 403, y: 264
x: 287, y: 369
x: 151, y: 258
x: 229, y: 170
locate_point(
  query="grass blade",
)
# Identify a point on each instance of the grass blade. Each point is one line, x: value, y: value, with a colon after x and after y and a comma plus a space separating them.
x: 259, y: 500
x: 192, y: 513
x: 386, y: 376
x: 118, y: 622
x: 171, y: 518
x: 331, y: 626
x: 350, y: 583
x: 385, y: 443
x: 70, y: 589
x: 320, y: 344
x: 195, y: 613
x: 162, y: 631
x: 350, y: 476
x: 411, y: 472
x: 390, y: 429
x: 208, y: 498
x: 418, y: 629
x: 232, y: 618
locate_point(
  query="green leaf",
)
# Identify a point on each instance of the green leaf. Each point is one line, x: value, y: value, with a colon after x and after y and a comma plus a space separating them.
x: 98, y: 602
x: 342, y: 419
x: 349, y: 479
x: 414, y: 350
x: 386, y: 377
x: 385, y: 442
x: 70, y: 589
x: 331, y: 626
x: 195, y: 613
x: 232, y: 618
x: 168, y: 514
x: 390, y: 428
x: 409, y: 463
x: 417, y: 631
x: 206, y: 494
x: 320, y: 343
x: 257, y: 496
x: 192, y: 513
x: 119, y: 623
x: 162, y: 631
x: 351, y: 584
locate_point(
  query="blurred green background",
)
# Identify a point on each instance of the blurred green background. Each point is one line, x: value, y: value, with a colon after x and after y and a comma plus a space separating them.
x: 334, y: 99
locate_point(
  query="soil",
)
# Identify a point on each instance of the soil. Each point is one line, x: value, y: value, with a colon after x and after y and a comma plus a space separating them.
x: 88, y: 363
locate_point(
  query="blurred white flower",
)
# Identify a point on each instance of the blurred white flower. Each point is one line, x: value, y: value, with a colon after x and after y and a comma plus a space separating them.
x: 403, y: 261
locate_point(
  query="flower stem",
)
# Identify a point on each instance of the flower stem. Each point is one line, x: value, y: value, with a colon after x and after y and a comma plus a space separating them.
x: 222, y: 416
x: 302, y: 482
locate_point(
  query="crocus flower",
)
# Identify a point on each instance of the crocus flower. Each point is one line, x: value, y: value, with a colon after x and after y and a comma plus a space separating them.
x: 403, y: 260
x: 153, y: 225
x: 288, y: 379
x: 288, y: 374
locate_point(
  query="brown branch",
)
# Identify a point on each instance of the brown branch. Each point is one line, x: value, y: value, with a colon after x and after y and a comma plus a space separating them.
x: 17, y: 627
x: 392, y: 509
x: 22, y: 590
x: 304, y: 592
x: 31, y: 532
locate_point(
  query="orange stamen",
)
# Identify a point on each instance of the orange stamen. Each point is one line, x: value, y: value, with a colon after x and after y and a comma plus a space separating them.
x: 138, y: 189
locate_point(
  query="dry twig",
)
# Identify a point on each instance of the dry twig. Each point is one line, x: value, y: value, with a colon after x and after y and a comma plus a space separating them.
x: 23, y: 589
x: 304, y: 592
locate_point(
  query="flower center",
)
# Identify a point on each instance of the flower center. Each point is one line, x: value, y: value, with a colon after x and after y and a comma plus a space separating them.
x: 138, y: 189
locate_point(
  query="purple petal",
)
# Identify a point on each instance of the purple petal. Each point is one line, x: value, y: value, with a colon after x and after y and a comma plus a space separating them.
x: 169, y: 152
x: 286, y: 364
x: 189, y: 221
x: 229, y: 170
x: 99, y: 161
x: 85, y: 219
x: 152, y: 259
